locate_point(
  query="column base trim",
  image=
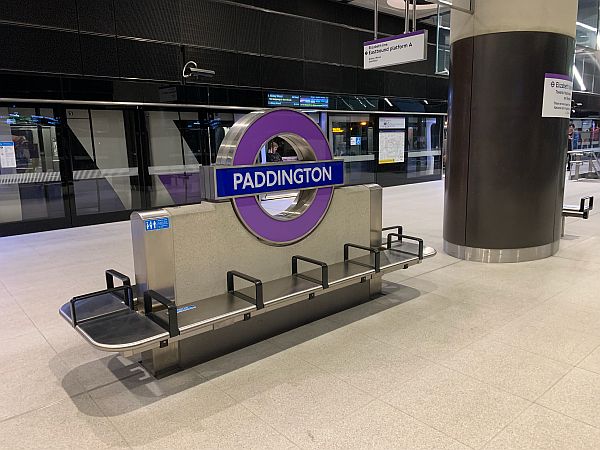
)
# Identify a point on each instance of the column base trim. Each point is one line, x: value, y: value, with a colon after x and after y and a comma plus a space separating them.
x: 497, y: 255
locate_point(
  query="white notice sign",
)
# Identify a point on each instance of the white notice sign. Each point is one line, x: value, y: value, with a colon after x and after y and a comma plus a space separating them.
x: 393, y: 50
x: 558, y: 91
x: 7, y: 155
x: 391, y: 147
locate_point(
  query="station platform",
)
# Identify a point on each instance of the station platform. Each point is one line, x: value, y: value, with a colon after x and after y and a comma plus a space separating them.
x: 454, y: 355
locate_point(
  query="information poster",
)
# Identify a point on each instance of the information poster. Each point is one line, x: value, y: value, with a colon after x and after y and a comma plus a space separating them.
x: 392, y: 122
x: 7, y: 155
x: 391, y: 147
x: 558, y: 91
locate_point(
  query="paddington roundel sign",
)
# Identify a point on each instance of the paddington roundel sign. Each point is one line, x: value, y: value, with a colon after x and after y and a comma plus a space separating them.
x: 238, y: 177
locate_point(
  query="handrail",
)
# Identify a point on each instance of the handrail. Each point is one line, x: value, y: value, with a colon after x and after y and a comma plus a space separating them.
x: 398, y: 228
x: 324, y: 270
x: 373, y: 250
x: 405, y: 236
x: 258, y: 288
x: 172, y: 326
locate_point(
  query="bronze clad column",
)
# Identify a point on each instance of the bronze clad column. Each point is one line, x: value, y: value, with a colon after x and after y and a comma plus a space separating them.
x: 506, y: 163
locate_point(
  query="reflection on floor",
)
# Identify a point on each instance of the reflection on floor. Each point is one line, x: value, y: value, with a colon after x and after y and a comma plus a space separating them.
x: 455, y: 355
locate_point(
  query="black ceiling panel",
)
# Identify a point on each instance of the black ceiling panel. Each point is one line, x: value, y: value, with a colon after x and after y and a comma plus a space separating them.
x: 282, y: 74
x: 249, y: 68
x: 352, y: 47
x: 96, y: 15
x: 148, y: 60
x: 208, y: 23
x: 246, y: 29
x: 286, y: 6
x: 281, y: 36
x: 99, y: 55
x: 150, y: 19
x: 39, y: 50
x: 224, y: 64
x: 53, y: 13
x: 322, y: 42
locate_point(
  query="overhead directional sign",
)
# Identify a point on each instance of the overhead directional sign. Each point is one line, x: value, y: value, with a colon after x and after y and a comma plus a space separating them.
x: 394, y: 50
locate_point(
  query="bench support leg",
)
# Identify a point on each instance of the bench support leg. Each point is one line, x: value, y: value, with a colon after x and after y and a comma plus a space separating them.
x: 562, y: 231
x: 161, y: 362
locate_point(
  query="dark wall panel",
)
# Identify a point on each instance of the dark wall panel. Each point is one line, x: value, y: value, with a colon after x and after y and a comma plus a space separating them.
x: 225, y: 65
x: 99, y: 55
x: 96, y: 15
x: 249, y: 70
x: 369, y: 81
x: 282, y: 36
x: 352, y: 47
x: 246, y: 30
x: 404, y: 85
x: 39, y: 50
x: 148, y: 60
x: 282, y: 74
x: 53, y: 13
x: 208, y: 23
x: 322, y: 42
x: 150, y: 19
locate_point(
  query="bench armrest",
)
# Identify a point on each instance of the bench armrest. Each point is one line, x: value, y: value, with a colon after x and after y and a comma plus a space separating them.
x: 405, y: 236
x: 258, y: 288
x: 111, y: 275
x: 324, y: 269
x: 172, y: 327
x: 127, y: 296
x: 374, y: 251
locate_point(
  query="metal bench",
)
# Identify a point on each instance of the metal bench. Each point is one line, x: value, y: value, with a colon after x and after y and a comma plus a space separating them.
x: 582, y: 211
x: 108, y: 319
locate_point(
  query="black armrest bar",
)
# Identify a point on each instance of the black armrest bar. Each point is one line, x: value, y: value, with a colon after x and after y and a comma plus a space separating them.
x: 590, y: 206
x: 405, y: 236
x: 127, y: 295
x: 374, y: 251
x: 324, y: 269
x: 110, y: 275
x: 172, y: 327
x: 398, y: 228
x: 258, y: 299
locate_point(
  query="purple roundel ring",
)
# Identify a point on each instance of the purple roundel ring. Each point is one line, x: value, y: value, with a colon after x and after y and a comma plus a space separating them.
x: 241, y: 147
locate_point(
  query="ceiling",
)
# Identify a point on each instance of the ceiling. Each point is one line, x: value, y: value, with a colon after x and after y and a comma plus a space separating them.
x: 395, y: 7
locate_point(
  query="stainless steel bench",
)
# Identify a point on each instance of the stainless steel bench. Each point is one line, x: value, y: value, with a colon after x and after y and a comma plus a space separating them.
x: 109, y: 320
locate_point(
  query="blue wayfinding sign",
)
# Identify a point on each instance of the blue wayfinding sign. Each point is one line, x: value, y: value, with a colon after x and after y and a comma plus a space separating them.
x: 159, y: 223
x: 251, y: 180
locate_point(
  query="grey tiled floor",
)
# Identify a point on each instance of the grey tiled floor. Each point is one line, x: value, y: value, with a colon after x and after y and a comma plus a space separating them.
x: 456, y: 355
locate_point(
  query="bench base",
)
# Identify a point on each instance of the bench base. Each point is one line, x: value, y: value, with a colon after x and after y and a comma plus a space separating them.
x: 212, y: 344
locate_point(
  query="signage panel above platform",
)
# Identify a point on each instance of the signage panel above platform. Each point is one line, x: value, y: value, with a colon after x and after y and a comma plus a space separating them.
x: 394, y: 50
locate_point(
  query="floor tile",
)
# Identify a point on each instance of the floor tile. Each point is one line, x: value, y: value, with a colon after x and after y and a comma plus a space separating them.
x: 554, y: 342
x: 459, y: 406
x: 591, y: 362
x: 508, y: 368
x: 378, y: 426
x: 72, y: 423
x: 541, y: 428
x: 577, y: 395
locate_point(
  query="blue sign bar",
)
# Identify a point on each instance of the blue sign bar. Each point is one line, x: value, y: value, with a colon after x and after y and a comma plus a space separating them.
x: 251, y: 180
x: 159, y: 223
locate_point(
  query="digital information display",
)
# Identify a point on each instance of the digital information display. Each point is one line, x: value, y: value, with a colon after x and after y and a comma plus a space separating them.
x: 297, y: 101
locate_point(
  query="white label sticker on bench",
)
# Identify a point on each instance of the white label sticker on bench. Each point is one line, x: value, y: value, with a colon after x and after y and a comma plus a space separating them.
x: 160, y: 223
